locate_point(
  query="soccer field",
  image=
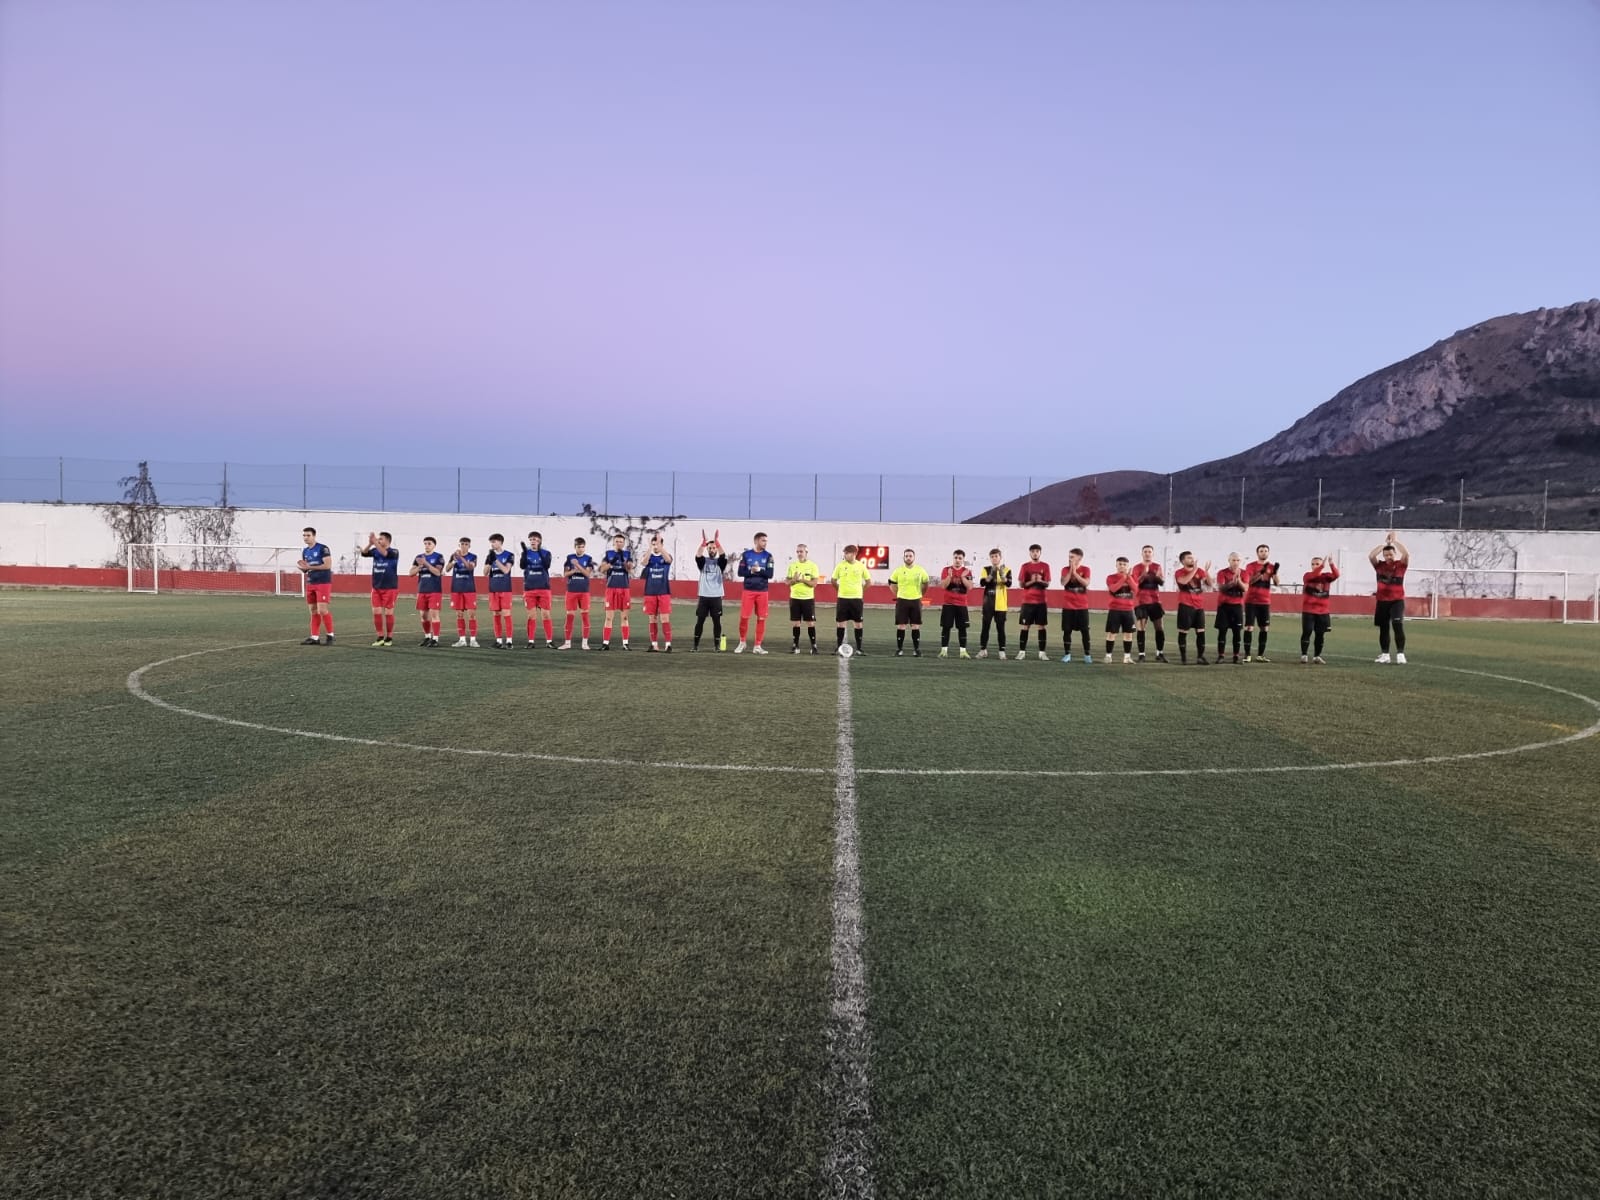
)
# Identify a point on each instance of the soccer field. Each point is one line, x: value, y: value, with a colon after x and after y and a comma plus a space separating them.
x: 304, y: 921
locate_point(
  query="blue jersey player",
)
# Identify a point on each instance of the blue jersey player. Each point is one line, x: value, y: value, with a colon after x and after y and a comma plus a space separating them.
x: 316, y: 564
x: 385, y: 584
x: 578, y: 569
x: 535, y: 563
x: 464, y: 593
x: 618, y: 567
x: 428, y: 568
x: 756, y: 569
x: 498, y: 567
x: 658, y: 594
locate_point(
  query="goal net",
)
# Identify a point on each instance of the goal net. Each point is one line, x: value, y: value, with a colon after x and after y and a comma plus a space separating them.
x: 190, y: 567
x: 1567, y: 596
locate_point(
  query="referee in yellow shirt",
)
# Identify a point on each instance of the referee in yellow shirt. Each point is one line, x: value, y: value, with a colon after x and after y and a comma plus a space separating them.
x: 852, y: 578
x: 910, y: 582
x: 802, y: 578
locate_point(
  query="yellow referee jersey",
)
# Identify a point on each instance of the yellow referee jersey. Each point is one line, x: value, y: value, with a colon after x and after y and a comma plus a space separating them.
x: 802, y: 579
x: 852, y: 578
x: 909, y: 581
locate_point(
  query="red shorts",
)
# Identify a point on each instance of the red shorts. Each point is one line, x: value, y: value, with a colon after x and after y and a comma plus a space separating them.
x: 618, y: 599
x: 658, y: 606
x: 464, y: 601
x: 539, y: 598
x: 577, y: 601
x: 499, y: 601
x: 318, y: 593
x: 430, y: 601
x: 754, y: 602
x: 384, y: 597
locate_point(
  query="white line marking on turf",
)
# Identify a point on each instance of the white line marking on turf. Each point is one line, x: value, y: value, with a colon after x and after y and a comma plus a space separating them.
x: 847, y: 1167
x: 136, y: 687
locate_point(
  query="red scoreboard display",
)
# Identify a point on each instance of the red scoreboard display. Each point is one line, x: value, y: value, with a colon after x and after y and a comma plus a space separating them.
x: 872, y: 557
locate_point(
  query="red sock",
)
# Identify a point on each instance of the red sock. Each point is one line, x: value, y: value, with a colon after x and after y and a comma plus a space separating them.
x: 327, y: 622
x: 549, y: 630
x: 437, y: 624
x: 569, y: 627
x: 388, y: 624
x: 744, y: 624
x: 472, y: 626
x: 532, y: 625
x: 761, y: 629
x: 316, y: 622
x: 586, y: 627
x: 377, y: 620
x: 624, y: 631
x: 666, y: 631
x: 461, y: 627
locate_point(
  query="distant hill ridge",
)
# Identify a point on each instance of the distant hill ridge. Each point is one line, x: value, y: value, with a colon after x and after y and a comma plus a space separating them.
x: 1507, y: 404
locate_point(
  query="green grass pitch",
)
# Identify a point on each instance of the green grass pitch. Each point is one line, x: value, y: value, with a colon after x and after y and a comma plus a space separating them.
x: 1106, y: 954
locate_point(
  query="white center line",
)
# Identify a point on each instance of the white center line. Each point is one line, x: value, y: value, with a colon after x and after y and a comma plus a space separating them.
x: 847, y: 1167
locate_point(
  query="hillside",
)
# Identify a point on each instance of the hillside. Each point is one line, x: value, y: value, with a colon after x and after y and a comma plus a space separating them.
x: 1505, y: 405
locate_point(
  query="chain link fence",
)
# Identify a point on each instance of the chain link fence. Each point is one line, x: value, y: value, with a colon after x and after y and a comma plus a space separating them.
x: 1511, y: 499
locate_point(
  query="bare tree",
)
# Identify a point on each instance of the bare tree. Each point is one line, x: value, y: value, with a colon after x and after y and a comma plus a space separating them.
x: 138, y: 517
x: 1469, y: 556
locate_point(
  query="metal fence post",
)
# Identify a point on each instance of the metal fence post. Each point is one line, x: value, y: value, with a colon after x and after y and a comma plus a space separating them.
x: 304, y: 506
x: 1030, y: 499
x: 61, y: 479
x: 952, y: 499
x: 672, y: 504
x: 458, y: 489
x: 749, y: 494
x: 1169, y: 500
x: 1241, y: 499
x: 1319, y: 500
x: 1544, y: 517
x: 880, y: 497
x: 814, y: 493
x: 1461, y: 502
x: 383, y: 488
x: 607, y: 507
x: 538, y: 489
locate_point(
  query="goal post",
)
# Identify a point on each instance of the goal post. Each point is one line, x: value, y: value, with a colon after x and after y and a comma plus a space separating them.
x: 156, y: 567
x: 1567, y: 597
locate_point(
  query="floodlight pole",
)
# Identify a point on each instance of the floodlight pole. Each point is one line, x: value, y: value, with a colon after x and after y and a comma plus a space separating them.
x: 61, y: 480
x: 1241, y: 500
x: 1169, y: 499
x: 1544, y: 517
x: 952, y: 499
x: 1319, y: 502
x: 383, y: 486
x: 538, y: 489
x: 1461, y: 503
x: 1030, y: 499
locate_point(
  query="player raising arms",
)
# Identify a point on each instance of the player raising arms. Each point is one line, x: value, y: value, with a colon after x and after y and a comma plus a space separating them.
x: 996, y: 580
x: 756, y: 568
x: 535, y: 562
x: 712, y: 564
x: 464, y: 593
x: 1119, y: 617
x: 1315, y: 621
x: 1390, y: 561
x: 1148, y: 580
x: 385, y: 584
x: 1230, y: 604
x: 658, y: 595
x: 803, y: 577
x: 910, y: 582
x: 498, y: 567
x: 316, y: 564
x: 956, y: 580
x: 578, y: 569
x: 1193, y: 582
x: 427, y: 567
x: 1261, y: 576
x: 618, y: 568
x: 852, y: 578
x: 1034, y: 578
x: 1075, y: 607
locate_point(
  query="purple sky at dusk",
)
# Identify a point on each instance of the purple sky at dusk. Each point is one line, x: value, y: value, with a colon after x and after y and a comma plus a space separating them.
x: 1026, y: 237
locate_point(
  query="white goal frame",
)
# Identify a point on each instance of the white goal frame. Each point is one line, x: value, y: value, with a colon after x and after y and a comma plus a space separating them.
x: 1570, y: 597
x: 154, y: 567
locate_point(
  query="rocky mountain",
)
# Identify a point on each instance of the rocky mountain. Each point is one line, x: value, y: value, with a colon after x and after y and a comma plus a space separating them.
x: 1469, y: 429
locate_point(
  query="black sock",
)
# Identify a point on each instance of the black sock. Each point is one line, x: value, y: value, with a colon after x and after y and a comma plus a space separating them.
x: 1041, y: 641
x: 1161, y: 639
x: 840, y: 639
x: 1383, y: 638
x: 1022, y: 641
x: 797, y: 637
x: 858, y: 637
x: 1111, y: 644
x: 1319, y: 644
x: 811, y: 632
x: 1249, y: 635
x: 916, y: 637
x: 1183, y: 646
x: 1200, y: 643
x: 962, y: 635
x: 1399, y: 638
x: 899, y: 639
x: 1262, y: 648
x: 1127, y: 646
x: 1140, y: 638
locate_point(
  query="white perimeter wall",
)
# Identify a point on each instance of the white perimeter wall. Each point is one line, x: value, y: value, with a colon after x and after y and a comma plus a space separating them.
x: 60, y: 535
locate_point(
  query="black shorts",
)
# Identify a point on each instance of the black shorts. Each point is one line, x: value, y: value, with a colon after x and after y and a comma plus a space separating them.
x: 1151, y: 611
x: 1119, y: 621
x: 1389, y: 610
x: 708, y: 606
x: 1230, y: 616
x: 803, y: 610
x: 1074, y: 620
x: 1190, y: 617
x: 1315, y: 622
x: 908, y: 612
x: 953, y: 616
x: 849, y: 610
x: 1035, y: 614
x: 1258, y: 616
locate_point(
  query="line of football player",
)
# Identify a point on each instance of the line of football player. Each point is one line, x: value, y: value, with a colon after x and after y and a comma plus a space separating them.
x: 1135, y: 611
